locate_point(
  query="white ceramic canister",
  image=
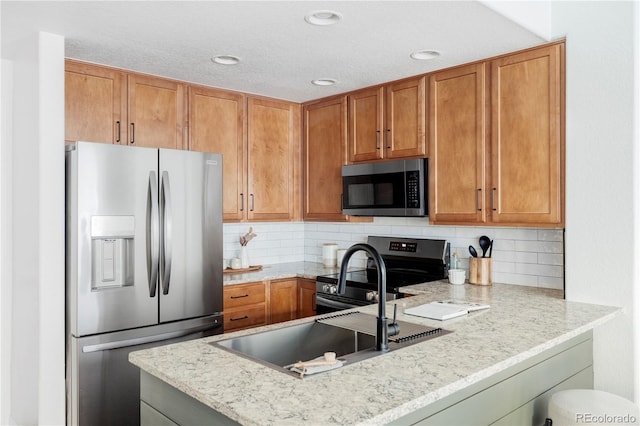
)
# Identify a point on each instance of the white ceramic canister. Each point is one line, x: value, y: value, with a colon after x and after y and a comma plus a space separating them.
x: 329, y: 252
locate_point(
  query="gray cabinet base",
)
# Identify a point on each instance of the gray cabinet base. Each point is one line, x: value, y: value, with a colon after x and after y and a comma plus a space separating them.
x: 517, y: 395
x: 176, y: 408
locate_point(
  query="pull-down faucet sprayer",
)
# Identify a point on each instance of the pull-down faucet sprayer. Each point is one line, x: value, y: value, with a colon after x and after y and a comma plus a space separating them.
x: 383, y: 330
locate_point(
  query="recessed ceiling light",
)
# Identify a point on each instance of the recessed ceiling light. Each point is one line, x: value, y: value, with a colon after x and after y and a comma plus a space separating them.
x: 323, y: 17
x: 324, y: 81
x: 225, y: 59
x: 423, y: 55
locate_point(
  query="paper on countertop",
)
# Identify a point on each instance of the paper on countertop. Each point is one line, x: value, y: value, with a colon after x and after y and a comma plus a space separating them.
x: 445, y: 309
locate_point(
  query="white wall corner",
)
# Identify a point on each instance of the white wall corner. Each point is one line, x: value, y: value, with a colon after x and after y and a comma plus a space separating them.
x: 6, y: 98
x: 636, y: 193
x: 51, y: 163
x: 534, y: 16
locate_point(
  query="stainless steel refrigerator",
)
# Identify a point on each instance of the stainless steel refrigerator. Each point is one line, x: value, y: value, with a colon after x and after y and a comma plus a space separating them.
x: 143, y: 267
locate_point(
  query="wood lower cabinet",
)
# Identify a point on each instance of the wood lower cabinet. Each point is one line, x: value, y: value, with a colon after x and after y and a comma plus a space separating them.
x: 325, y: 142
x: 268, y: 302
x: 527, y: 149
x: 95, y: 103
x: 388, y: 121
x: 457, y: 143
x: 283, y: 300
x: 217, y: 124
x: 245, y: 306
x: 306, y: 298
x: 273, y: 162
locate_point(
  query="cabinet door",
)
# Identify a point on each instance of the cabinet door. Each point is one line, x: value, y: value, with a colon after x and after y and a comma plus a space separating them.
x: 156, y: 112
x: 306, y: 298
x: 283, y: 301
x: 325, y: 141
x: 216, y: 124
x: 273, y: 148
x: 457, y: 145
x: 526, y: 137
x: 405, y: 119
x: 94, y: 103
x: 366, y: 118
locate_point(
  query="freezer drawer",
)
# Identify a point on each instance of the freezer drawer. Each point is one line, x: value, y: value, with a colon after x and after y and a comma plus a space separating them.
x: 103, y: 388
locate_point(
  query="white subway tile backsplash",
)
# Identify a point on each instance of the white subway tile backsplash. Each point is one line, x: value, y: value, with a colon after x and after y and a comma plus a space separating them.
x: 522, y: 256
x: 540, y: 246
x: 540, y: 270
x: 551, y: 259
x: 551, y: 235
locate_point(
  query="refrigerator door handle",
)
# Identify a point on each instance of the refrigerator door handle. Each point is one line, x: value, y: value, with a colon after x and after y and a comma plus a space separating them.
x: 165, y: 230
x: 148, y: 339
x: 153, y: 233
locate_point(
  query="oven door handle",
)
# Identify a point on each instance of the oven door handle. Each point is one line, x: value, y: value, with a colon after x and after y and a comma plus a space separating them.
x: 333, y: 304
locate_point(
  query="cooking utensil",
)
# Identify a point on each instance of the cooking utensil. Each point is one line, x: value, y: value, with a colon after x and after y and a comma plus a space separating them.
x: 490, y: 248
x: 485, y: 242
x: 473, y: 251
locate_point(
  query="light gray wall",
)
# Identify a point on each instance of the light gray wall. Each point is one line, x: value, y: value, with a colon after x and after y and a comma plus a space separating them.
x: 600, y: 210
x: 35, y: 203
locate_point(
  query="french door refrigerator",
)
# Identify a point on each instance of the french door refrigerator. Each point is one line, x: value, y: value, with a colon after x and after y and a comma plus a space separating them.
x: 143, y: 267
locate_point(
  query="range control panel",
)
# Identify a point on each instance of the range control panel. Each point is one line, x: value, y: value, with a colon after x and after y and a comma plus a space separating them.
x: 403, y: 246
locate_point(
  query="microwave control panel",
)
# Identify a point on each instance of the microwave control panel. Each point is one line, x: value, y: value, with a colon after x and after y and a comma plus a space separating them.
x: 413, y: 189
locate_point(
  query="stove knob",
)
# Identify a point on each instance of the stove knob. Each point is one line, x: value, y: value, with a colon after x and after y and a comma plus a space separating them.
x: 372, y: 296
x: 330, y: 288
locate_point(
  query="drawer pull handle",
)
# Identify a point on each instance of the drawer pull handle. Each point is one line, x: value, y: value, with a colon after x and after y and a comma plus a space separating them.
x: 239, y: 297
x: 239, y: 319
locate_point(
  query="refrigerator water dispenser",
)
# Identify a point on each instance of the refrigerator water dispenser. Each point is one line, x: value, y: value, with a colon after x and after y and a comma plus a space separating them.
x: 112, y: 251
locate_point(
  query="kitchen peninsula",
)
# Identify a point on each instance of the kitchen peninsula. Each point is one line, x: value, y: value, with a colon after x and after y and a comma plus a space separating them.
x: 509, y: 356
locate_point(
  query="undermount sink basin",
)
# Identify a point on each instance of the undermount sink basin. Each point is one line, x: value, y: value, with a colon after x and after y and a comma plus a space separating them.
x: 351, y: 336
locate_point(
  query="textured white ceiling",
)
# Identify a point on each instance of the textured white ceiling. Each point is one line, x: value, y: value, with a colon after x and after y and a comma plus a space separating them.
x: 280, y: 53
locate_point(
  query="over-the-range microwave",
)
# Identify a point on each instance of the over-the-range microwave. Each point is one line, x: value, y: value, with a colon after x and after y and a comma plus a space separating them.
x: 391, y: 188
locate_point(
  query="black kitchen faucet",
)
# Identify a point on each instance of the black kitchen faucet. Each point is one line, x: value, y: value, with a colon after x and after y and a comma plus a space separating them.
x: 383, y: 330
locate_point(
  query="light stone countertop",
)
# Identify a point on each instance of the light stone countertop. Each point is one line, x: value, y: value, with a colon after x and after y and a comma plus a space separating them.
x: 308, y: 270
x: 522, y: 322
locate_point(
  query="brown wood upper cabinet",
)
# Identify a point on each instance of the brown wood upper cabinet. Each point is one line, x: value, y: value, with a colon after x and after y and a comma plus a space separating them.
x: 325, y: 142
x: 217, y: 124
x: 457, y: 145
x: 95, y: 103
x: 515, y: 176
x: 106, y: 105
x: 388, y: 121
x: 273, y: 150
x: 527, y: 142
x: 156, y: 112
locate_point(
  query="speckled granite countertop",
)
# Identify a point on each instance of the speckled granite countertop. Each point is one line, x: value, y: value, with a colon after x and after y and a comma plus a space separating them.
x: 522, y: 322
x: 282, y: 270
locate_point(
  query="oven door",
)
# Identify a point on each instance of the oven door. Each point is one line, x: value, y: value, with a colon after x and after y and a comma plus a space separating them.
x: 330, y: 303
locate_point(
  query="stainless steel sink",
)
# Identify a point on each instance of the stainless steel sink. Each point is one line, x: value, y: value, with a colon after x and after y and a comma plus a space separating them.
x: 351, y: 336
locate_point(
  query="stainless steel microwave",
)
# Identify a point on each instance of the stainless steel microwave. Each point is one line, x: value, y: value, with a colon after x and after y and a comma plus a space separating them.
x: 392, y: 188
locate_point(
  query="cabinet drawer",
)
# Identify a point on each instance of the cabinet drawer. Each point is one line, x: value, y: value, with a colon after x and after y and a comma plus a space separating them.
x: 244, y: 318
x: 243, y: 295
